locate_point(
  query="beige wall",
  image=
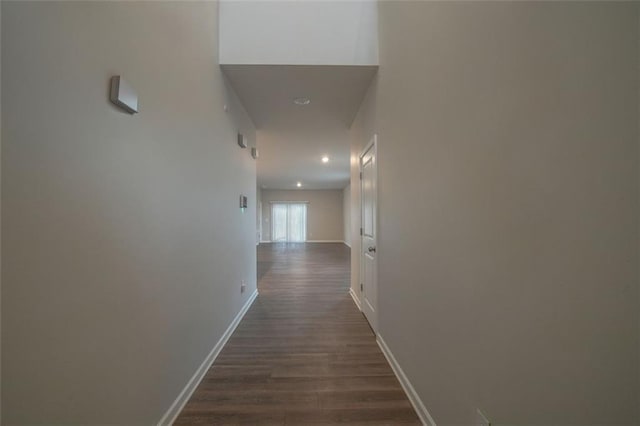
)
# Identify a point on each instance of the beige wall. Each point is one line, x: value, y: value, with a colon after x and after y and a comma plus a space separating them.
x: 123, y: 244
x: 324, y: 212
x: 510, y: 282
x: 346, y: 215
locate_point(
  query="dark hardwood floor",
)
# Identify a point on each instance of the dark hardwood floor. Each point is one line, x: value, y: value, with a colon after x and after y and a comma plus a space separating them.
x: 303, y: 354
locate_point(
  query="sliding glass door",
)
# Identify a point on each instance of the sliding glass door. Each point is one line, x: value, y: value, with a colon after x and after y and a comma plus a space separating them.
x: 289, y: 222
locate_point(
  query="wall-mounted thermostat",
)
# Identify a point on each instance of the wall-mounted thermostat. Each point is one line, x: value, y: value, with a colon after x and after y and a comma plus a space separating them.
x: 254, y: 153
x: 123, y: 95
x: 242, y: 140
x: 243, y: 201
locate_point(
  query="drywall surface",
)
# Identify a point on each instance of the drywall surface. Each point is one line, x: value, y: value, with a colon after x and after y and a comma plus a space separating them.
x: 123, y: 242
x: 307, y: 32
x: 508, y: 206
x: 346, y: 215
x: 324, y: 212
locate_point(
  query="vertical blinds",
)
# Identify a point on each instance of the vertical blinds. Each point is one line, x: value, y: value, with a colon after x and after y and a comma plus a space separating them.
x: 289, y: 222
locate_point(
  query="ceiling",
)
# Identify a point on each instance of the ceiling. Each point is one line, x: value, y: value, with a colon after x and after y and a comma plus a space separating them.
x: 292, y: 138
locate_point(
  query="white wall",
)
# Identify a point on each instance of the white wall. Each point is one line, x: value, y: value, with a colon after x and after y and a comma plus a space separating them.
x: 123, y: 244
x: 307, y: 32
x: 324, y: 212
x: 509, y: 275
x: 346, y: 215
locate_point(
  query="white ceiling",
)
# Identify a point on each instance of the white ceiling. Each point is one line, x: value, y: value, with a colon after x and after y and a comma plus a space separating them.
x: 291, y: 138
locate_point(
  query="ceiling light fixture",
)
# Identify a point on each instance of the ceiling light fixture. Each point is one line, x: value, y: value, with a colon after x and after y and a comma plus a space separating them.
x: 298, y: 184
x: 302, y: 101
x: 325, y: 159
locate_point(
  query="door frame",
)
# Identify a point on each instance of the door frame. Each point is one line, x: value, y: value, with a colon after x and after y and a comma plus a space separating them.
x: 372, y: 144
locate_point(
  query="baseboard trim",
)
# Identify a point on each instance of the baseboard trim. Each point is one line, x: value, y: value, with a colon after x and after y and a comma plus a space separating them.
x: 308, y: 241
x: 415, y: 400
x: 346, y: 244
x: 184, y: 396
x: 355, y: 298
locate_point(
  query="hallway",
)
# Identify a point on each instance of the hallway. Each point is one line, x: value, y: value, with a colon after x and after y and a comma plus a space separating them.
x: 303, y: 354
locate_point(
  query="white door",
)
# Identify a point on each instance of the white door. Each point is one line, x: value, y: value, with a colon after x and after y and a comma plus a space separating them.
x: 259, y: 223
x: 368, y: 257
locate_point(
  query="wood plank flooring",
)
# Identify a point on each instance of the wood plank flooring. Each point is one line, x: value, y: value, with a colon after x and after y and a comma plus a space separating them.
x: 303, y: 354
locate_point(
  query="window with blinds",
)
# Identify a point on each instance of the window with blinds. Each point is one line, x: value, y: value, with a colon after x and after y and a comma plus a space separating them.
x: 289, y: 222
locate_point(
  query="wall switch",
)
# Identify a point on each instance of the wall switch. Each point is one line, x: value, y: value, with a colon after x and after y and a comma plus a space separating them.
x: 481, y: 419
x: 243, y: 286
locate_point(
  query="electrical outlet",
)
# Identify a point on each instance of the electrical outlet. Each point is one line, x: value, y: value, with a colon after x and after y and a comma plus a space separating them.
x: 481, y: 419
x: 243, y: 286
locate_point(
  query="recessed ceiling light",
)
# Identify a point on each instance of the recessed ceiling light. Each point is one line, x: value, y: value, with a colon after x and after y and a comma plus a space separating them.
x: 298, y: 184
x: 325, y: 159
x: 302, y: 101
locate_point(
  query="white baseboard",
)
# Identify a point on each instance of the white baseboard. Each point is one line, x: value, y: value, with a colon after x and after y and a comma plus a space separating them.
x: 415, y: 400
x: 308, y: 241
x: 184, y: 396
x: 347, y: 244
x: 355, y: 298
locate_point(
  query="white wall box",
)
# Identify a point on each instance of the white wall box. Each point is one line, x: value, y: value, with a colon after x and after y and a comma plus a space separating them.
x: 123, y: 95
x: 242, y: 140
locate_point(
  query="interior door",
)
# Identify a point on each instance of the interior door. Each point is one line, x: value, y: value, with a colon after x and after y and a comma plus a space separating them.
x: 368, y: 257
x: 259, y: 224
